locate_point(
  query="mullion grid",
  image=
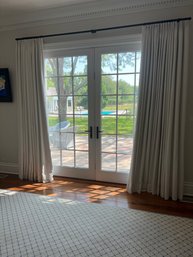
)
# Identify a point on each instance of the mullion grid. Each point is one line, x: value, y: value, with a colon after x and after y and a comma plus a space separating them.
x: 114, y: 153
x: 117, y: 99
x: 64, y: 76
x: 110, y: 115
x: 73, y: 115
x: 117, y: 94
x: 66, y: 95
x: 117, y: 134
x: 134, y: 109
x: 117, y: 115
x: 120, y: 73
x: 72, y: 150
x: 58, y: 76
x: 59, y: 111
x: 74, y: 139
x: 45, y: 92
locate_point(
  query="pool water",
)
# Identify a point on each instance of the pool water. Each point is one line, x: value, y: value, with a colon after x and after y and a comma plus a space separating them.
x: 107, y: 112
x: 102, y: 113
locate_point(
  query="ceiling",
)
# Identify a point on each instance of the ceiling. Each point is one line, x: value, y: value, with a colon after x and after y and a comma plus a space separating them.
x: 14, y: 13
x: 16, y: 7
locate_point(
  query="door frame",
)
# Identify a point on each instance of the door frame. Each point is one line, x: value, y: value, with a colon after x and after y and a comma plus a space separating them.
x: 102, y: 175
x: 82, y: 173
x: 93, y: 50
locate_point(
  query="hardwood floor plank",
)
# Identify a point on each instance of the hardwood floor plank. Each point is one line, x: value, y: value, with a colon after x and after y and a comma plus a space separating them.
x: 99, y: 192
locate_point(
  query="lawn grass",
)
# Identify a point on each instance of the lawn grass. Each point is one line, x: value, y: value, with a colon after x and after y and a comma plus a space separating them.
x: 128, y: 106
x: 125, y: 124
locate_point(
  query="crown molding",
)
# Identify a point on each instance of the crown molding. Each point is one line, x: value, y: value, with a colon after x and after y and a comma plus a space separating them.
x: 85, y: 12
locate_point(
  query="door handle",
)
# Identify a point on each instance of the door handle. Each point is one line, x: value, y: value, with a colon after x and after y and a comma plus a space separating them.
x: 98, y: 131
x: 89, y: 131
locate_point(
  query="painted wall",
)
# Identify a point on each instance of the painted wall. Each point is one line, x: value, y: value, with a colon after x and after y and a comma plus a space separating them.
x: 8, y: 111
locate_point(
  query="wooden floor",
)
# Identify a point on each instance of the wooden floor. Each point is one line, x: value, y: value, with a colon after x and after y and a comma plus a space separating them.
x: 99, y: 192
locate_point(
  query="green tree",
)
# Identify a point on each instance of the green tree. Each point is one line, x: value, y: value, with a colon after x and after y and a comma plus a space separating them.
x: 117, y: 61
x: 66, y: 68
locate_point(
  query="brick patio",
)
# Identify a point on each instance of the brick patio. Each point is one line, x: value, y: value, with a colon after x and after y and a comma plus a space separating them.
x: 65, y: 157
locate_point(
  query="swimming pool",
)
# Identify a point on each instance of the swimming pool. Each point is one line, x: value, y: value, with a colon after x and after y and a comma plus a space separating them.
x: 102, y: 113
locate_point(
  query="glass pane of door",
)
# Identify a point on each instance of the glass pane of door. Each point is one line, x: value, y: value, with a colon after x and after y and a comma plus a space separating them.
x: 67, y: 90
x: 119, y: 76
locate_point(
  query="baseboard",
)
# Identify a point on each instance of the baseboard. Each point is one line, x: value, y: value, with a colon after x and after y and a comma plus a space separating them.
x: 9, y: 168
x: 188, y: 188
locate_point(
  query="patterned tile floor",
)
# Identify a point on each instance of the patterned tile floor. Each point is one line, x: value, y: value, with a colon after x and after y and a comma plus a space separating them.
x: 40, y: 226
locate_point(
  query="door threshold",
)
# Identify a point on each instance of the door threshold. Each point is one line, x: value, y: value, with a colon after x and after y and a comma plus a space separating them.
x: 89, y: 181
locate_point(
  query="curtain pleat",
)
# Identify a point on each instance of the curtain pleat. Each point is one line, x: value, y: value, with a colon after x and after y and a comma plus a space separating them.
x: 34, y: 150
x: 158, y: 153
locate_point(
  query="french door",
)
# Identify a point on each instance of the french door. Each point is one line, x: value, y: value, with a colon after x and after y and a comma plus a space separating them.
x: 91, y: 97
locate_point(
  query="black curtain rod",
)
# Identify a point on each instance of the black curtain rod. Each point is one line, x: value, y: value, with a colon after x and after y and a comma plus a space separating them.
x: 103, y: 29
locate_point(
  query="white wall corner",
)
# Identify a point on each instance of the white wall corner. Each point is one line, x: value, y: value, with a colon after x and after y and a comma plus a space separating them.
x: 188, y: 188
x: 9, y: 168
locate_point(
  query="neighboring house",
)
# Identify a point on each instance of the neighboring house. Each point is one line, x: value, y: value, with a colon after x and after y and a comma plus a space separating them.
x: 52, y: 102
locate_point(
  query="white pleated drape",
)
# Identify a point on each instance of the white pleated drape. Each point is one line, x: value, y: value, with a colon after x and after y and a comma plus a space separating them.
x: 34, y: 151
x: 158, y: 153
